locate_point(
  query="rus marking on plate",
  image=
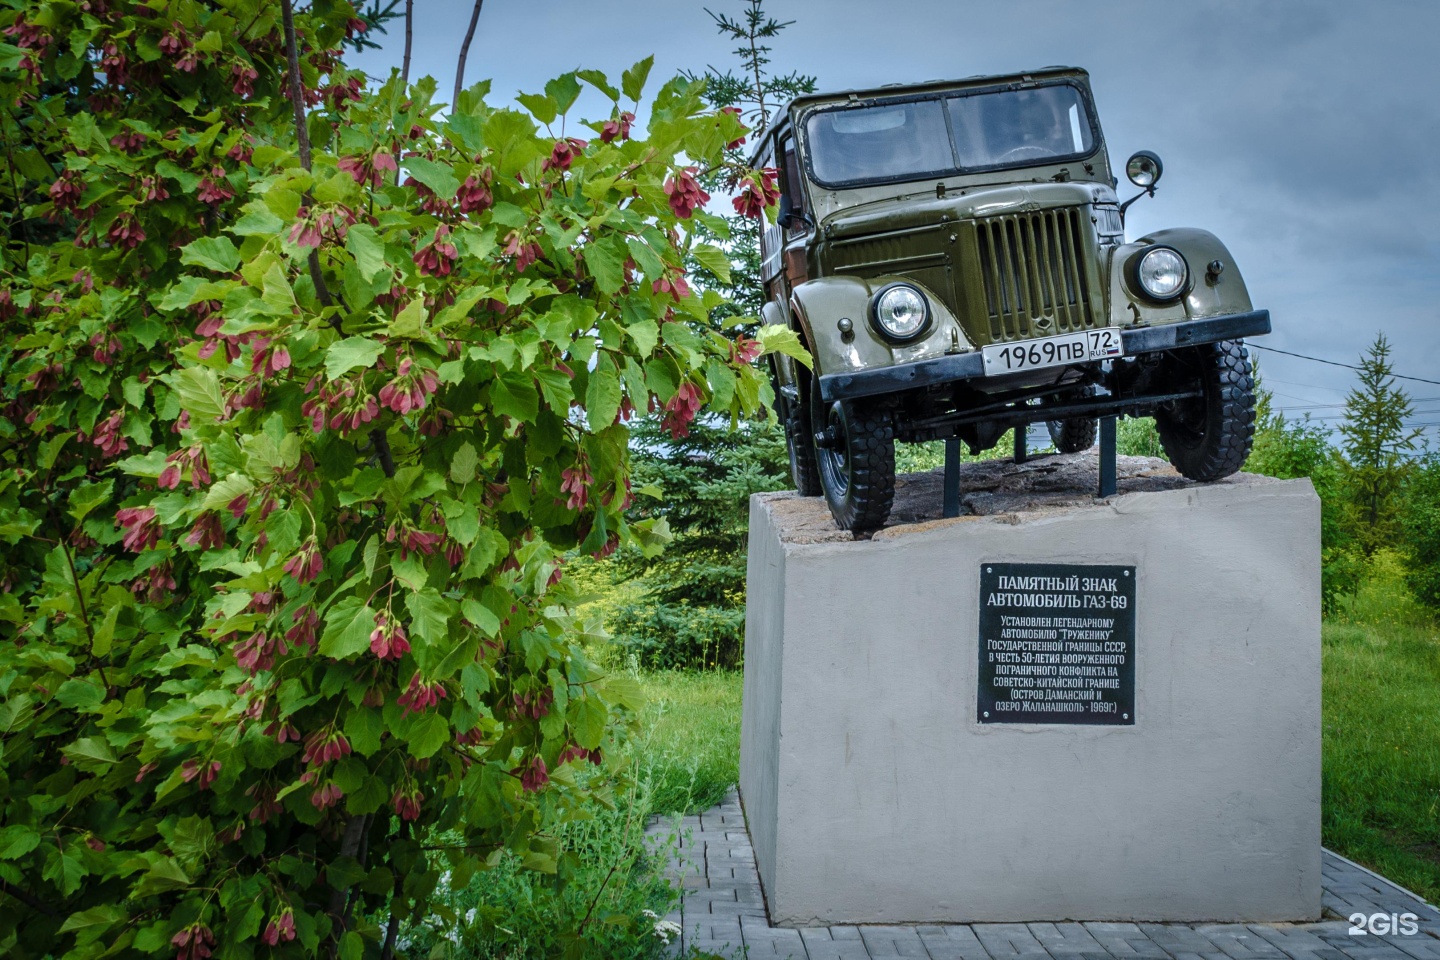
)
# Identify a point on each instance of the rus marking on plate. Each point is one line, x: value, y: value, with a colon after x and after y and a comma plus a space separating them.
x: 1057, y: 644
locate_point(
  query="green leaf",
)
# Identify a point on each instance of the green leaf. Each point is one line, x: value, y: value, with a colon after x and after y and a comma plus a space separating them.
x: 428, y: 734
x: 480, y: 615
x: 212, y: 253
x: 79, y: 694
x: 714, y: 259
x: 221, y: 493
x: 368, y: 250
x: 599, y: 81
x: 410, y: 322
x: 348, y: 625
x: 541, y: 108
x: 199, y: 391
x: 462, y: 467
x: 87, y: 497
x: 17, y: 840
x: 88, y: 925
x: 645, y: 333
x: 563, y: 90
x: 257, y: 221
x: 352, y: 947
x: 588, y: 722
x: 515, y: 396
x: 429, y: 615
x: 439, y: 177
x: 606, y: 264
x: 633, y: 80
x: 602, y: 396
x: 775, y: 338
x: 345, y: 355
x: 363, y: 728
x: 371, y: 795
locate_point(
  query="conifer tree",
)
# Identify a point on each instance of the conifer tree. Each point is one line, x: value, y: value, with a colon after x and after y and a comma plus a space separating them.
x: 1376, y: 443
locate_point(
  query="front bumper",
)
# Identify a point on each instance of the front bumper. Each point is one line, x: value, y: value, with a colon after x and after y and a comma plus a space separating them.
x: 970, y: 366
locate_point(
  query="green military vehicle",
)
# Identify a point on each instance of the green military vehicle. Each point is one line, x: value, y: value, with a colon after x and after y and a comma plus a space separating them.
x: 953, y: 254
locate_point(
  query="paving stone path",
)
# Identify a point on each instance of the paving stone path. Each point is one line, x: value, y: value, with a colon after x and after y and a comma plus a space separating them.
x: 722, y: 912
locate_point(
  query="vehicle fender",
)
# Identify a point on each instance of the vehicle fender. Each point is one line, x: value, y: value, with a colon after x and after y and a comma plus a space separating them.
x: 1208, y: 297
x: 818, y: 307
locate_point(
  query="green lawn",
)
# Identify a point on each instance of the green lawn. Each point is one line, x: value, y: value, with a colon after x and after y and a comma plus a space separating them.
x: 1382, y: 738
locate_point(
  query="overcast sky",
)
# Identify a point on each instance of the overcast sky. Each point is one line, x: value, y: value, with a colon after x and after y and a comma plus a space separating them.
x: 1304, y: 133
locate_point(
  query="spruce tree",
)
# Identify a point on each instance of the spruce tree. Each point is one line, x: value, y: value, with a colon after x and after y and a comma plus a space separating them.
x: 1376, y: 444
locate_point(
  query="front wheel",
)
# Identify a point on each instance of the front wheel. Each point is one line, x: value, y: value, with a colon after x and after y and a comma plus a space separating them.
x: 795, y: 418
x: 1076, y: 433
x: 1209, y: 437
x: 855, y: 452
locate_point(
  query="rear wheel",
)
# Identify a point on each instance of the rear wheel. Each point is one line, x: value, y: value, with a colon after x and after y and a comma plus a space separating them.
x: 1076, y: 433
x: 1209, y: 437
x: 795, y: 418
x: 855, y: 455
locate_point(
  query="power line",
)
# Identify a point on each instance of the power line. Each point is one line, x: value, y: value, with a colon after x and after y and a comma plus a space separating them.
x: 1336, y: 363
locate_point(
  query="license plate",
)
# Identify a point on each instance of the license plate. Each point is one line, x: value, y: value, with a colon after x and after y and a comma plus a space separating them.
x: 1085, y: 347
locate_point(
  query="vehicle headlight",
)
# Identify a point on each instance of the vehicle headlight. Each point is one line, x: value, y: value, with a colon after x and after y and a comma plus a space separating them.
x: 900, y: 312
x: 1160, y: 273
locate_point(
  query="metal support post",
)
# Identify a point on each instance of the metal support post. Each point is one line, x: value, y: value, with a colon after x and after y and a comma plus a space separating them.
x: 1020, y: 452
x: 1107, y: 456
x: 952, y: 477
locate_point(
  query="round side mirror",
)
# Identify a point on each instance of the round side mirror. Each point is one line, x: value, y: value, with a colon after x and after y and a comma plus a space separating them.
x: 1144, y: 169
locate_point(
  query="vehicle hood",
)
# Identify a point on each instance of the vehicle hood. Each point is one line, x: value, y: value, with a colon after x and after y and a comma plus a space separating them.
x: 902, y: 213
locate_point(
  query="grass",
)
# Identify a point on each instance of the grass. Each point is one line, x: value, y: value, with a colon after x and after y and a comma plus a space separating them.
x: 1381, y: 740
x: 685, y: 758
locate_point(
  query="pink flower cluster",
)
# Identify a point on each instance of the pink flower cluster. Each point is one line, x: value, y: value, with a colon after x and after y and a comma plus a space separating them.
x: 324, y: 746
x: 524, y: 251
x: 387, y: 640
x: 199, y: 771
x: 191, y: 457
x: 338, y: 405
x: 684, y: 193
x: 756, y: 193
x: 474, y: 195
x: 65, y: 193
x: 412, y: 384
x: 214, y: 189
x: 577, y: 752
x: 745, y: 350
x: 413, y: 540
x: 193, y: 942
x: 157, y: 583
x: 420, y: 696
x: 533, y: 775
x: 311, y: 226
x: 125, y: 231
x: 576, y: 482
x: 208, y: 532
x: 438, y: 257
x: 406, y: 802
x: 258, y: 652
x: 533, y: 705
x: 142, y: 531
x: 306, y: 564
x: 680, y: 410
x: 107, y: 435
x: 563, y: 154
x: 367, y: 167
x: 673, y: 284
x: 618, y: 127
x: 305, y: 621
x: 280, y: 929
x: 268, y: 360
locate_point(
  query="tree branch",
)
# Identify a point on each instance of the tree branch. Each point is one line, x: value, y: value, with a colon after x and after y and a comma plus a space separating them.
x: 381, y: 442
x: 302, y: 137
x: 409, y: 36
x: 349, y: 847
x: 465, y: 52
x: 27, y: 899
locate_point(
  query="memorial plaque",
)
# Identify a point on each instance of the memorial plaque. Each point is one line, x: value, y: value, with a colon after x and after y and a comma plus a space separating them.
x: 1057, y: 643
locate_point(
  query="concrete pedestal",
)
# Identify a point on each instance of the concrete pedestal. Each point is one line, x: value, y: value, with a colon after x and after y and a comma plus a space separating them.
x: 874, y: 794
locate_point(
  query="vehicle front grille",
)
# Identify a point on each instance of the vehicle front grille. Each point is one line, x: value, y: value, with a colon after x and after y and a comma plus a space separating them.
x: 1034, y: 267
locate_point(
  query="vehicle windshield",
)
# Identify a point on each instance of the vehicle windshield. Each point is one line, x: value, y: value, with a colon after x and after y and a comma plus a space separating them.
x: 913, y: 139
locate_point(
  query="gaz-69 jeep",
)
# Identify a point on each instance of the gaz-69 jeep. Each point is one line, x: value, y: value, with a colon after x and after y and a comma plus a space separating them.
x: 954, y: 257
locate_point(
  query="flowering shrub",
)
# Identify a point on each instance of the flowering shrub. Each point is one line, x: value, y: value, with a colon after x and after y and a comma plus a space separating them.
x: 293, y: 442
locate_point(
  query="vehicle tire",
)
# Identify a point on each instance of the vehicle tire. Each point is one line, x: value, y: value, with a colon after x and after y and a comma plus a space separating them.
x: 856, y: 464
x: 795, y: 419
x: 1077, y: 433
x: 1209, y: 437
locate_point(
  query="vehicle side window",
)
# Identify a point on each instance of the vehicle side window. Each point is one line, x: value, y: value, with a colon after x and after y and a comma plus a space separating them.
x: 792, y: 194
